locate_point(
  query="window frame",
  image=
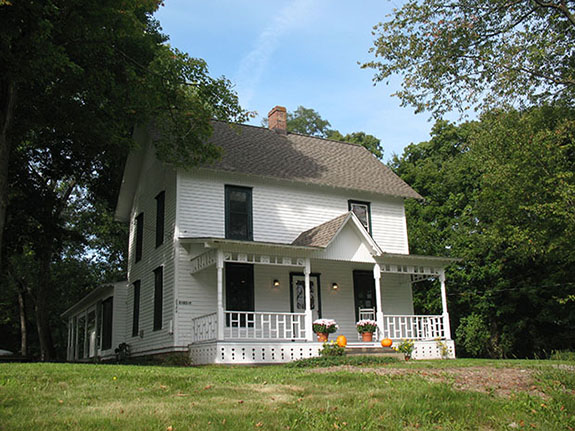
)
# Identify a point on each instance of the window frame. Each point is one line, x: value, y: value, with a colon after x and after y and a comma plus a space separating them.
x: 139, y: 236
x: 160, y: 217
x: 228, y: 215
x: 158, y: 297
x: 352, y: 202
x: 136, y: 308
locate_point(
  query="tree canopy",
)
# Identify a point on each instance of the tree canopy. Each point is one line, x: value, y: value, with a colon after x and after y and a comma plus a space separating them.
x: 76, y: 77
x: 461, y: 54
x: 499, y: 194
x: 309, y: 122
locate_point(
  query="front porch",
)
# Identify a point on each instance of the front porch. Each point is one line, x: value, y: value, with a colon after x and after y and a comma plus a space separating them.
x: 292, y: 286
x: 273, y: 337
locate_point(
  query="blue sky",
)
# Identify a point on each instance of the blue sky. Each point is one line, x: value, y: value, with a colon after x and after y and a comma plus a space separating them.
x: 298, y: 52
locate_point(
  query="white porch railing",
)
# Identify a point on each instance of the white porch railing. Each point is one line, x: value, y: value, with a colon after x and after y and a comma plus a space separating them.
x: 259, y: 325
x: 413, y: 327
x: 205, y: 328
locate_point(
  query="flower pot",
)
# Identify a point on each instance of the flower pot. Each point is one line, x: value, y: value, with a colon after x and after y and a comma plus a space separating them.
x: 367, y: 337
x: 322, y: 337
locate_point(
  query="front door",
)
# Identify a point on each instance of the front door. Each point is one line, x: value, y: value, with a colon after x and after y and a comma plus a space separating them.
x: 297, y: 294
x: 363, y: 291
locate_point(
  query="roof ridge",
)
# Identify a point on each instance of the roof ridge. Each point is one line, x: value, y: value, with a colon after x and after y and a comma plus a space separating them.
x: 293, y: 133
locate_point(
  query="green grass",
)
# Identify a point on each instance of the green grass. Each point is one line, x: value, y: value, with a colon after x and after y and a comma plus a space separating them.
x: 115, y: 397
x: 330, y: 361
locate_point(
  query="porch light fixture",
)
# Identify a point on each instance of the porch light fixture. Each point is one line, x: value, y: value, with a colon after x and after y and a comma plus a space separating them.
x: 276, y: 284
x: 334, y: 286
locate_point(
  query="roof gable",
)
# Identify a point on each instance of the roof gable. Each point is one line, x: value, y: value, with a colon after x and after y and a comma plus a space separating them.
x: 335, y: 235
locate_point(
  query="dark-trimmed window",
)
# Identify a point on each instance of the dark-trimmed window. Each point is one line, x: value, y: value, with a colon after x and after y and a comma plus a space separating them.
x: 139, y: 236
x: 363, y: 212
x: 239, y: 213
x: 136, y: 310
x: 160, y: 210
x: 107, y: 316
x: 158, y: 297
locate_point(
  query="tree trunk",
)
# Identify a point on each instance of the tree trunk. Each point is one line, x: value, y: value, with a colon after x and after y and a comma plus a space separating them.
x: 41, y: 306
x: 23, y: 326
x: 7, y: 100
x: 47, y: 351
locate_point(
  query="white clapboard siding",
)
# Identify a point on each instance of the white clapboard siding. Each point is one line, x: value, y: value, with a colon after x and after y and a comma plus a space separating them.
x: 153, y: 179
x: 196, y: 293
x: 119, y: 315
x: 282, y: 210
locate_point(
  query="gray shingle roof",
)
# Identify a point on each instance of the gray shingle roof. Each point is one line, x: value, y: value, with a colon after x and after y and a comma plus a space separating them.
x: 260, y: 151
x: 321, y: 235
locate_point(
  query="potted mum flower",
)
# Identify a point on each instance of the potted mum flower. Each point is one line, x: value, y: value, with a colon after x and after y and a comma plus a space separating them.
x: 324, y: 327
x: 366, y: 328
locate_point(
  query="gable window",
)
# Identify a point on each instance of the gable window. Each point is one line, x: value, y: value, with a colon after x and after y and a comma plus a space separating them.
x: 158, y: 297
x: 239, y: 213
x: 160, y: 210
x: 139, y: 236
x: 363, y: 212
x: 136, y: 310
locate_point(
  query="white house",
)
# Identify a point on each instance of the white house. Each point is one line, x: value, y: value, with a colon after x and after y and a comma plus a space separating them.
x: 232, y: 262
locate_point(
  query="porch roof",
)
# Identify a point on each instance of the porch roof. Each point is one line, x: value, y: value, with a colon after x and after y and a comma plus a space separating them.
x: 416, y: 258
x: 92, y: 297
x: 214, y: 242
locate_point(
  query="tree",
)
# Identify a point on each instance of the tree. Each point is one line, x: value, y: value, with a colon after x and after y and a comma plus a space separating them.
x: 307, y: 122
x: 477, y: 53
x: 370, y: 142
x: 499, y: 195
x: 77, y: 77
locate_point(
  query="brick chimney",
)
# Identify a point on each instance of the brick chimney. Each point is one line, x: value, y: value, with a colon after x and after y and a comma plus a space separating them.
x: 277, y: 120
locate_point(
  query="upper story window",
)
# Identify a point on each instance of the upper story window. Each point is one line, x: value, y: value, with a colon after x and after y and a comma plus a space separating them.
x: 363, y: 212
x: 139, y: 236
x: 160, y: 213
x: 239, y: 213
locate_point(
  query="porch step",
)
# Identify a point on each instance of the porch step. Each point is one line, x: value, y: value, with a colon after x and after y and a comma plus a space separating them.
x: 372, y: 350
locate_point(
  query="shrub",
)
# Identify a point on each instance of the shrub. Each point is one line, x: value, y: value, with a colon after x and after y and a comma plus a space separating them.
x: 473, y: 335
x: 331, y: 348
x: 562, y: 355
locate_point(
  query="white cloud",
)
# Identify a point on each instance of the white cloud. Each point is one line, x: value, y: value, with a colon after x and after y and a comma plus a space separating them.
x: 254, y: 64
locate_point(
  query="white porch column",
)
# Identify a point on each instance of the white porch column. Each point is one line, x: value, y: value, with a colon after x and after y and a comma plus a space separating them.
x: 378, y: 306
x: 220, y: 284
x: 308, y: 312
x: 446, y: 324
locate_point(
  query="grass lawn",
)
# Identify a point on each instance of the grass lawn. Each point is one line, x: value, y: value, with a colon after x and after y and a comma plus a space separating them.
x: 422, y: 395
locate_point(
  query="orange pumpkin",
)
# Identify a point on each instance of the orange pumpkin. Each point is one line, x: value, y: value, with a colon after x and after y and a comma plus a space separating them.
x: 341, y: 341
x: 386, y: 342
